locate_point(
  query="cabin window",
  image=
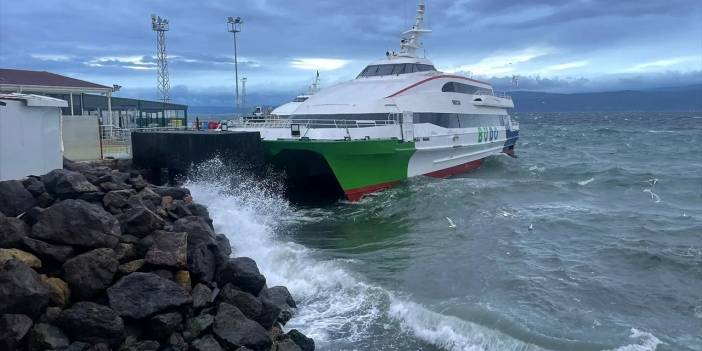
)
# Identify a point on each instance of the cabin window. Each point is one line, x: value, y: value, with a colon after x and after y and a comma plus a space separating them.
x: 300, y: 99
x: 455, y: 87
x: 401, y: 68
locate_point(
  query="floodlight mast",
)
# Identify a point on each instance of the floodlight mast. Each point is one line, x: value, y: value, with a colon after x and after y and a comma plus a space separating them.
x: 234, y: 26
x: 161, y: 26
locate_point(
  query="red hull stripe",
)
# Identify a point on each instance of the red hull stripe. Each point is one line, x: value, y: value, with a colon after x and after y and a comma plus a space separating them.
x: 447, y: 172
x: 356, y: 194
x: 432, y: 78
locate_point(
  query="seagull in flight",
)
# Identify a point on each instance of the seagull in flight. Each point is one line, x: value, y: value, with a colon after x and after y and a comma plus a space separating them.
x: 451, y: 224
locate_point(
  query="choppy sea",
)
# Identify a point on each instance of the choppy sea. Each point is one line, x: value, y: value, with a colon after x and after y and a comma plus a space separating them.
x: 590, y: 240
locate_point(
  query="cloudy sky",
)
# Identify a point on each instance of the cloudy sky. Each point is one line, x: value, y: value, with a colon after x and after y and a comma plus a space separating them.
x: 552, y: 45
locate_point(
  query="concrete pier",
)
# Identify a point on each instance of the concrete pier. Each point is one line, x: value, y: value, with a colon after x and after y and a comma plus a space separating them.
x: 176, y: 151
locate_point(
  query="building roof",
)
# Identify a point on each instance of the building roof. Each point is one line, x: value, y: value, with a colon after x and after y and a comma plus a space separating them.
x: 35, y: 100
x: 43, y: 78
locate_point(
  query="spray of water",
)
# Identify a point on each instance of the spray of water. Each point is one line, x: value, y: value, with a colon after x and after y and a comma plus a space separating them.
x: 336, y: 307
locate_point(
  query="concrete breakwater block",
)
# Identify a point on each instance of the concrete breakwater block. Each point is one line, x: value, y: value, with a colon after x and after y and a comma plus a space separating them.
x: 178, y: 150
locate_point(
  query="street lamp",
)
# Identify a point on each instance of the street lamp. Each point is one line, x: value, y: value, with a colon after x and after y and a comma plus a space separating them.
x: 234, y: 26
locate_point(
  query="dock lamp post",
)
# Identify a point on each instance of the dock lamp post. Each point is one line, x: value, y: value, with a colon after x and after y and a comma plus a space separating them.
x: 234, y: 26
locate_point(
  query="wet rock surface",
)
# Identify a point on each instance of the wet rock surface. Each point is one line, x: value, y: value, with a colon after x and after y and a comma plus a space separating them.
x: 95, y: 259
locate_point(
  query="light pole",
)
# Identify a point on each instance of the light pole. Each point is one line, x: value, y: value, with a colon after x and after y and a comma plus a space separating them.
x: 234, y: 26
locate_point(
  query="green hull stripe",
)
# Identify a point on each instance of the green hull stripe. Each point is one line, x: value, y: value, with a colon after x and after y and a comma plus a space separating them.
x: 355, y: 163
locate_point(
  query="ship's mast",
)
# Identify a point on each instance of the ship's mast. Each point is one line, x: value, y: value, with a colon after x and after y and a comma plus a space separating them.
x: 410, y: 41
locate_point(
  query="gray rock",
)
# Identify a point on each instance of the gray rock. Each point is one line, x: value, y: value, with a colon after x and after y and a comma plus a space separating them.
x: 280, y: 297
x: 206, y: 343
x: 111, y: 186
x: 162, y: 326
x: 149, y: 198
x: 31, y: 217
x: 77, y: 346
x: 168, y: 249
x: 46, y: 337
x: 92, y: 323
x: 201, y: 259
x: 242, y: 272
x: 45, y: 200
x: 248, y: 304
x: 50, y: 315
x: 305, y: 343
x: 140, y: 295
x: 145, y: 345
x: 125, y: 252
x: 288, y: 345
x: 174, y: 192
x: 79, y: 223
x: 34, y: 185
x: 199, y: 324
x: 115, y: 201
x: 138, y: 182
x: 234, y: 329
x: 67, y: 184
x: 93, y: 196
x: 141, y: 221
x: 202, y: 296
x: 98, y: 347
x: 224, y: 249
x: 270, y: 313
x: 12, y: 231
x: 21, y: 290
x: 13, y: 328
x: 177, y: 342
x: 57, y: 253
x: 14, y: 198
x: 89, y: 273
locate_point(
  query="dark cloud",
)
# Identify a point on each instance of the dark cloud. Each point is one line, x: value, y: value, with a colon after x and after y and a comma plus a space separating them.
x: 98, y: 40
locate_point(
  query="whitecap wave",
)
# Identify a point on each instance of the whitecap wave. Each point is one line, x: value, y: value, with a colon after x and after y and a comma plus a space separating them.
x: 645, y: 341
x: 586, y: 182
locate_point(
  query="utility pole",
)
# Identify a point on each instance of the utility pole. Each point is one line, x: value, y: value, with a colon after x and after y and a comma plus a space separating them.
x: 234, y: 26
x: 161, y: 26
x: 243, y: 93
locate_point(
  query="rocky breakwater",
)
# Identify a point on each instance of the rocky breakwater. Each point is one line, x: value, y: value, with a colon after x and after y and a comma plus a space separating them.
x: 97, y: 259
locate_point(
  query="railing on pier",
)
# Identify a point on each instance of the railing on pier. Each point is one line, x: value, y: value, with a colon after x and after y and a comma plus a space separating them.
x: 116, y: 142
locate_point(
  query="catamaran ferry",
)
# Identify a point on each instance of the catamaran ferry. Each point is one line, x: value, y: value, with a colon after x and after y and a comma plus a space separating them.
x: 399, y: 118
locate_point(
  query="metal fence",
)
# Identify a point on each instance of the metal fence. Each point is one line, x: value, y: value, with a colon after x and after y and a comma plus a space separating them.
x: 116, y: 142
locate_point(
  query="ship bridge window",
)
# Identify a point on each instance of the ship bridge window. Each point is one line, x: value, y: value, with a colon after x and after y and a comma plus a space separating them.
x: 300, y: 99
x: 394, y: 69
x: 455, y: 87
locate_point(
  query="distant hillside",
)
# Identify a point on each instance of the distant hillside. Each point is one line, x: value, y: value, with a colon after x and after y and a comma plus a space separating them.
x: 687, y: 98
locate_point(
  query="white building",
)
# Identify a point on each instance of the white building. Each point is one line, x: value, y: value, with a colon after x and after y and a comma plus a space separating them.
x: 30, y: 135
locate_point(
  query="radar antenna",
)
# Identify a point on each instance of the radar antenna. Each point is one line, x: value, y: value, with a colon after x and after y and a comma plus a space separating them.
x: 410, y: 41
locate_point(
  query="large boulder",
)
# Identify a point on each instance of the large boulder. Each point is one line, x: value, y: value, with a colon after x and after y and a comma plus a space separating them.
x: 270, y: 313
x: 202, y: 296
x: 77, y: 222
x: 21, y: 290
x: 162, y: 326
x: 115, y: 201
x: 67, y: 184
x: 90, y: 273
x: 305, y: 343
x: 140, y: 295
x: 202, y: 261
x: 242, y: 272
x: 276, y: 298
x: 174, y: 192
x: 14, y: 198
x: 198, y: 325
x: 235, y: 330
x: 168, y: 249
x: 248, y: 304
x: 12, y: 231
x: 57, y: 253
x: 46, y: 337
x: 141, y: 221
x: 206, y: 343
x: 92, y: 323
x: 34, y: 185
x: 13, y: 328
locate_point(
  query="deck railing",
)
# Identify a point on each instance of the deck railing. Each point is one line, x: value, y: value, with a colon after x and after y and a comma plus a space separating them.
x: 499, y: 94
x: 308, y: 123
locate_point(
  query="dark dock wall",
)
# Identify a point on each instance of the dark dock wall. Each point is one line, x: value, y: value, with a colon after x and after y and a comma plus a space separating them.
x: 178, y: 150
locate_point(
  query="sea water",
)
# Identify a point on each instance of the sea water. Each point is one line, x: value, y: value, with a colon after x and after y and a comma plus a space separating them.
x: 590, y: 240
